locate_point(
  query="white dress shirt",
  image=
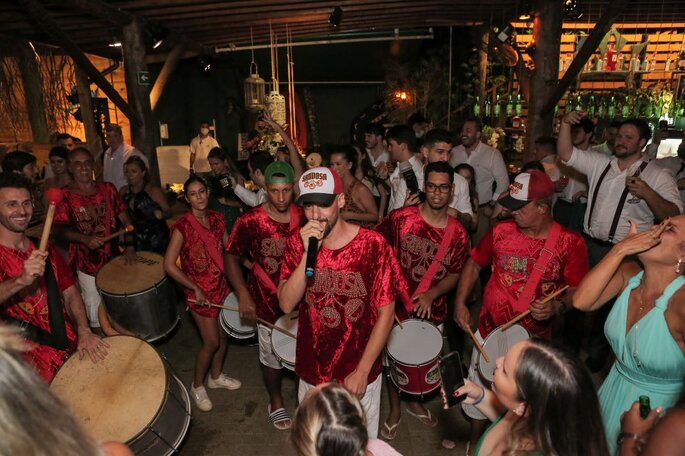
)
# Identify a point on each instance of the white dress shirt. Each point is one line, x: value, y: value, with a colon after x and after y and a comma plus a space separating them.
x: 398, y: 186
x: 592, y: 164
x: 382, y: 158
x: 249, y: 197
x: 489, y: 166
x: 201, y: 147
x: 113, y: 167
x: 675, y: 166
x: 577, y: 181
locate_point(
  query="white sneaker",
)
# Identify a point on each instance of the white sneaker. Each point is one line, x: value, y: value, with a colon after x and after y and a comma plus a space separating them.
x: 201, y: 399
x: 223, y: 381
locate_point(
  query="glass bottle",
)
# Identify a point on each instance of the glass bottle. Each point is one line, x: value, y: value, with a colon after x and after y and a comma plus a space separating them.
x: 498, y: 106
x: 591, y: 107
x: 510, y: 105
x: 488, y: 108
x: 519, y: 106
x: 611, y: 111
x: 476, y: 107
x: 625, y: 109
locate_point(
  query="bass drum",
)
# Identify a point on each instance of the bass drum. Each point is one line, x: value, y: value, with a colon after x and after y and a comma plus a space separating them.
x: 129, y: 397
x: 139, y: 298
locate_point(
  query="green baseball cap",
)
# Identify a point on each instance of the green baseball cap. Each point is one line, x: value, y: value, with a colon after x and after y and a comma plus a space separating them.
x: 279, y: 172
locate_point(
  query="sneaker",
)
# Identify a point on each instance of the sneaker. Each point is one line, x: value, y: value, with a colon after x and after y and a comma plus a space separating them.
x: 223, y: 381
x: 201, y: 399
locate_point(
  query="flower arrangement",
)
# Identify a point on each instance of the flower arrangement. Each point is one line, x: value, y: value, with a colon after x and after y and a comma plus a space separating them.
x: 492, y: 135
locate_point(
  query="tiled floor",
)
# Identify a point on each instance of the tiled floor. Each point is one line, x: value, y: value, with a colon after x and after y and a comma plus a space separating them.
x: 238, y: 425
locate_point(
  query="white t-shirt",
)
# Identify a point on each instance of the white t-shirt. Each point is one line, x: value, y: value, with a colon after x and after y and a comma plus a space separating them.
x: 489, y: 166
x: 201, y: 148
x: 593, y: 164
x: 382, y: 158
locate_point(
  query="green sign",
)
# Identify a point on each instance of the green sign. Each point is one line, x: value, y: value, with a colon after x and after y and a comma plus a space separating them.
x: 144, y: 78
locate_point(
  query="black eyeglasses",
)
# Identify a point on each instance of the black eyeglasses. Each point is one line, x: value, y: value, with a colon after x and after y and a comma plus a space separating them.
x: 442, y: 188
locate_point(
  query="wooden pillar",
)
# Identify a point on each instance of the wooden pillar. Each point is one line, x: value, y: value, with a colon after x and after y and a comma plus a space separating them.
x: 483, y: 68
x: 93, y: 140
x: 33, y: 92
x: 170, y: 65
x: 138, y: 90
x: 547, y: 38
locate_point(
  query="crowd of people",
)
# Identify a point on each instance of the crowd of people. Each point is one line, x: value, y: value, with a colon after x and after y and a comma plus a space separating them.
x: 410, y: 225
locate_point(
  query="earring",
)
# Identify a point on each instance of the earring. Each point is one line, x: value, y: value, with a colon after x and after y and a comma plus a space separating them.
x: 679, y: 269
x: 519, y: 410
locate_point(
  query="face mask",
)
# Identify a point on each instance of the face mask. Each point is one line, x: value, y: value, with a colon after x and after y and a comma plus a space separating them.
x: 419, y: 134
x: 204, y: 131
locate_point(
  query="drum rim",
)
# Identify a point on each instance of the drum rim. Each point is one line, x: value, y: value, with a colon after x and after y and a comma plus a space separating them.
x: 164, y: 277
x: 231, y: 331
x: 166, y: 380
x: 497, y: 330
x: 135, y: 293
x: 421, y: 321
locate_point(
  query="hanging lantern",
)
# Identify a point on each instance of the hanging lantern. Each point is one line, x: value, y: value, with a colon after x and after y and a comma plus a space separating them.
x: 254, y: 89
x: 275, y: 103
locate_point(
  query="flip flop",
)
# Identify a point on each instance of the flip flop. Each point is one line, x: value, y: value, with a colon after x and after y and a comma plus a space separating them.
x: 389, y: 432
x: 428, y: 419
x: 279, y: 418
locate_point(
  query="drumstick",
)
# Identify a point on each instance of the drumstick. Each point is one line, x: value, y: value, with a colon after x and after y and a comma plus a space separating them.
x: 128, y: 229
x: 523, y: 315
x: 264, y: 322
x: 54, y: 196
x: 477, y: 344
x: 399, y: 323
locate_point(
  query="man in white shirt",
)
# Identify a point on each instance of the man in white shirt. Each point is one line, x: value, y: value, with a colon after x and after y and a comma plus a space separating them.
x: 199, y: 150
x: 607, y: 147
x: 676, y: 166
x: 623, y: 188
x: 116, y: 155
x: 373, y: 140
x: 256, y: 164
x: 490, y: 170
x: 401, y: 145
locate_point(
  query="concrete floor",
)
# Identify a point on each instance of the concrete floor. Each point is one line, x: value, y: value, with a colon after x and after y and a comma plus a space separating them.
x: 238, y: 425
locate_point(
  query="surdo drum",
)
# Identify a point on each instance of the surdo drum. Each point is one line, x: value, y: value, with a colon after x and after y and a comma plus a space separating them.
x: 413, y: 353
x: 138, y: 298
x: 496, y: 345
x: 283, y: 345
x: 232, y: 323
x: 129, y: 397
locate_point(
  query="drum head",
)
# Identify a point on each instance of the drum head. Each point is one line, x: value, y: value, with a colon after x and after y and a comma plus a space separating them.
x: 115, y: 398
x: 118, y: 278
x: 497, y: 344
x: 415, y: 343
x: 231, y: 321
x: 283, y: 345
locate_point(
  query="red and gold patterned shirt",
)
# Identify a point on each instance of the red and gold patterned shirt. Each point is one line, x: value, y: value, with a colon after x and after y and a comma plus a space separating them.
x: 415, y: 243
x: 513, y: 255
x: 90, y: 215
x: 198, y: 265
x: 262, y: 239
x: 31, y: 305
x: 341, y: 304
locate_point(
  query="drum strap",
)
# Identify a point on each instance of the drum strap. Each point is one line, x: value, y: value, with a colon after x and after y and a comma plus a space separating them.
x: 439, y: 257
x: 209, y: 246
x: 57, y: 337
x: 109, y: 217
x: 546, y: 254
x: 258, y: 270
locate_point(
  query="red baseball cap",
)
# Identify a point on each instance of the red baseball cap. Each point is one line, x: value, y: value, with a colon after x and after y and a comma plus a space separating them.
x: 530, y: 186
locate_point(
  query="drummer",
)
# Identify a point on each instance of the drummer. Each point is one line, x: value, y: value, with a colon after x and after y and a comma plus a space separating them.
x: 348, y: 305
x: 420, y: 236
x: 198, y: 238
x: 516, y: 249
x: 26, y: 296
x: 260, y: 235
x: 89, y: 212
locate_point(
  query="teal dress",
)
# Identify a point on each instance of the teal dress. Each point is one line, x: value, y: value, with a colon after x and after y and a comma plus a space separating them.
x: 648, y: 360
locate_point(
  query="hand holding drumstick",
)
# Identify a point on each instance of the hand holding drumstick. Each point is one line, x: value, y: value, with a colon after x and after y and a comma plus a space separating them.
x: 539, y: 310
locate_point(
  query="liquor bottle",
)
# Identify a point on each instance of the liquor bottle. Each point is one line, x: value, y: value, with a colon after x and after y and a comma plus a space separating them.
x: 634, y: 63
x: 602, y: 110
x: 509, y: 110
x: 580, y: 106
x: 644, y: 407
x: 625, y: 109
x: 644, y: 65
x: 611, y: 111
x: 568, y: 107
x: 519, y: 106
x: 488, y: 108
x: 600, y: 64
x: 591, y: 107
x: 476, y: 107
x: 667, y: 66
x: 620, y: 66
x: 498, y: 106
x: 610, y: 57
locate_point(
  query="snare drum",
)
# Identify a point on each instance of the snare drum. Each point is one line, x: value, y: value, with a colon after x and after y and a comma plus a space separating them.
x: 232, y: 323
x: 413, y: 353
x: 497, y: 344
x: 130, y: 397
x: 283, y: 345
x: 138, y: 298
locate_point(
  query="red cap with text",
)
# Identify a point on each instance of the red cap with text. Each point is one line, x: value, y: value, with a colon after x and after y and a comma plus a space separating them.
x: 530, y: 186
x: 319, y: 186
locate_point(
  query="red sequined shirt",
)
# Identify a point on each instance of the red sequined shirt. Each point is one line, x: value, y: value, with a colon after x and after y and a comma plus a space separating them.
x: 341, y: 304
x: 31, y: 305
x: 90, y: 215
x: 262, y: 239
x: 513, y: 255
x: 415, y: 243
x: 198, y: 264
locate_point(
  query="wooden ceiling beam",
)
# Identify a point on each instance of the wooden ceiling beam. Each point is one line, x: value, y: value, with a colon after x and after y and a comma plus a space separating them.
x: 102, y: 10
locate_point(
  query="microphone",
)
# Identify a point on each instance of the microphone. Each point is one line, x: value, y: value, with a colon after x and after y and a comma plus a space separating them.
x: 410, y: 178
x: 310, y: 265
